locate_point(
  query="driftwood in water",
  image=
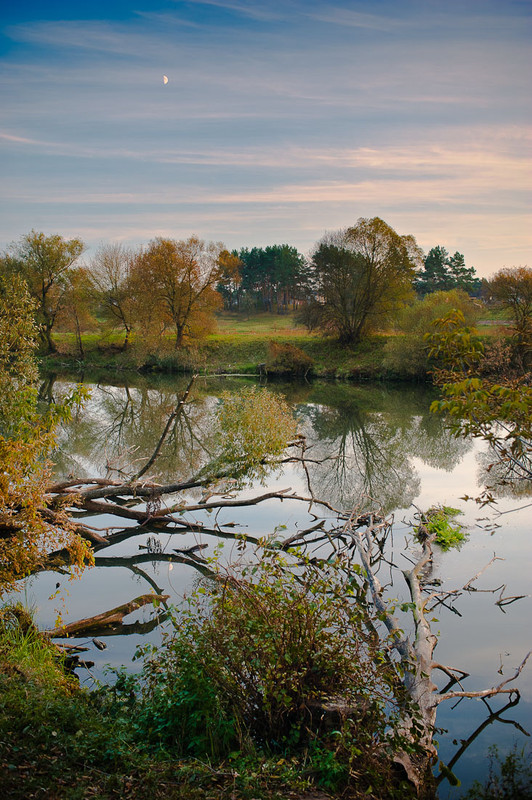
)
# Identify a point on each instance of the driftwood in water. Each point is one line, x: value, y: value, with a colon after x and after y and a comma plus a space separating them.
x: 107, y: 618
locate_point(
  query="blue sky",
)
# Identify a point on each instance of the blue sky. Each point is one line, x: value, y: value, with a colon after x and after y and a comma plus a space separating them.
x: 279, y: 121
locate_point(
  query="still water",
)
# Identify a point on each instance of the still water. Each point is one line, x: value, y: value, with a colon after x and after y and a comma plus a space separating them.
x: 374, y: 446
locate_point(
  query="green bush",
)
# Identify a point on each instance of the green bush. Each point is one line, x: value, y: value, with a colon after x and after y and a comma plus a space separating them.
x: 440, y: 520
x: 252, y: 662
x: 407, y: 353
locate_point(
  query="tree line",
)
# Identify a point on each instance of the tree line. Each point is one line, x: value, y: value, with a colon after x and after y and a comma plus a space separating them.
x: 354, y: 281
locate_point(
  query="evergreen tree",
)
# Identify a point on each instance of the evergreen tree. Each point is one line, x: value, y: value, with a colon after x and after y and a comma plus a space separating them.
x: 442, y: 272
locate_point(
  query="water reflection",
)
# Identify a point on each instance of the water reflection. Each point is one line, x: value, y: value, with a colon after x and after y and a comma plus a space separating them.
x: 370, y: 436
x: 374, y: 437
x: 119, y: 428
x: 378, y: 441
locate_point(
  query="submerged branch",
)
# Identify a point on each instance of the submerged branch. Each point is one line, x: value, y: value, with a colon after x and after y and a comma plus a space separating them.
x: 106, y: 618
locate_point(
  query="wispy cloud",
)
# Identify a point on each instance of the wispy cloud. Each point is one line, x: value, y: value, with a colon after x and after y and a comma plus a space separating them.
x: 254, y: 10
x: 280, y: 119
x: 500, y: 154
x: 336, y: 15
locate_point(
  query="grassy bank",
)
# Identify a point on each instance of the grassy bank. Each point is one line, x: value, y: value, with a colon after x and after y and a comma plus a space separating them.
x: 242, y: 348
x: 241, y: 345
x: 59, y: 741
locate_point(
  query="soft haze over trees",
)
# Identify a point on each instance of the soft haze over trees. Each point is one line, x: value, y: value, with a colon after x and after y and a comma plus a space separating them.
x: 360, y: 276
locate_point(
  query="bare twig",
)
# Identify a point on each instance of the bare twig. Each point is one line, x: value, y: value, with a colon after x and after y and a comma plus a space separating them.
x: 486, y: 692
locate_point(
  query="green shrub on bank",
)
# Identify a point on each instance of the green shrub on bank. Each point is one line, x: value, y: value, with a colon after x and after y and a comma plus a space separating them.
x: 407, y: 353
x: 255, y: 663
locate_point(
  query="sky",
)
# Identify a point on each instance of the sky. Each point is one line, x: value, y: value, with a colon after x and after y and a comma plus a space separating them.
x: 280, y: 120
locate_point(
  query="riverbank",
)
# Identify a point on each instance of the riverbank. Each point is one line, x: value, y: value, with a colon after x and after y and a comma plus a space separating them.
x: 59, y: 741
x: 261, y: 344
x: 225, y: 353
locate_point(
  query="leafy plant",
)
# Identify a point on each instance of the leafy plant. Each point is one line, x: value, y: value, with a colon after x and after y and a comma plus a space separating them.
x: 26, y: 440
x: 509, y: 778
x: 499, y: 413
x: 252, y: 663
x: 407, y: 353
x: 439, y: 521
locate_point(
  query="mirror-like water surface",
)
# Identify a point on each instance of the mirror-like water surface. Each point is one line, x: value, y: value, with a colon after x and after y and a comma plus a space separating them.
x: 374, y: 445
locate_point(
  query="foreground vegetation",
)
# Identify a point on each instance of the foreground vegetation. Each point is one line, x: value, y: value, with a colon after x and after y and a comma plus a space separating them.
x: 172, y: 732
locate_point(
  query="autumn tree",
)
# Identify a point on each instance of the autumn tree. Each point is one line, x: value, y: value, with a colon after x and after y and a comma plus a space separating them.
x: 44, y: 261
x: 512, y: 288
x: 110, y: 272
x: 27, y: 532
x: 359, y: 276
x: 76, y: 312
x: 18, y: 333
x: 176, y: 280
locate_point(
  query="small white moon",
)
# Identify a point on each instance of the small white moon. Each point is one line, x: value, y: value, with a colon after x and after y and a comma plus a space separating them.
x: 165, y: 79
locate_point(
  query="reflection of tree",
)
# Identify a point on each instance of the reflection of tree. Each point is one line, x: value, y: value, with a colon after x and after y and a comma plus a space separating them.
x: 373, y: 439
x: 501, y: 476
x: 373, y: 433
x: 120, y: 427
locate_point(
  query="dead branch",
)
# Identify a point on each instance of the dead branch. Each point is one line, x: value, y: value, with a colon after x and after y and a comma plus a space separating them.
x: 467, y: 586
x: 106, y: 618
x: 486, y: 692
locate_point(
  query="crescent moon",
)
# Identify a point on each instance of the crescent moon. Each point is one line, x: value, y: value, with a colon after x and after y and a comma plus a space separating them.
x: 165, y: 79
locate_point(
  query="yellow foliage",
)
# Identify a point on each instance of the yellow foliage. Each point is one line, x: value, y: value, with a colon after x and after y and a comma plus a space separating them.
x: 255, y: 426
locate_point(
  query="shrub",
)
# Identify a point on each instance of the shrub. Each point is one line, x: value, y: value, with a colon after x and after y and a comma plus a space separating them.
x: 407, y: 353
x: 287, y: 359
x: 254, y: 657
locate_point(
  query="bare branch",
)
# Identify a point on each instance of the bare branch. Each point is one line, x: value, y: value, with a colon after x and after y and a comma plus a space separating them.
x: 486, y: 692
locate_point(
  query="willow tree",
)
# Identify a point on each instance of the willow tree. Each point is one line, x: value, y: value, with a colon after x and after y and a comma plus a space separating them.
x: 360, y: 275
x: 176, y: 283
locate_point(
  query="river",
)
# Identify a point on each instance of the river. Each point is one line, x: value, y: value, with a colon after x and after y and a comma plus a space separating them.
x: 382, y: 447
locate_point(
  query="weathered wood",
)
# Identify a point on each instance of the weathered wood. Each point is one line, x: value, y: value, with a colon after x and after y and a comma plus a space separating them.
x: 113, y: 616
